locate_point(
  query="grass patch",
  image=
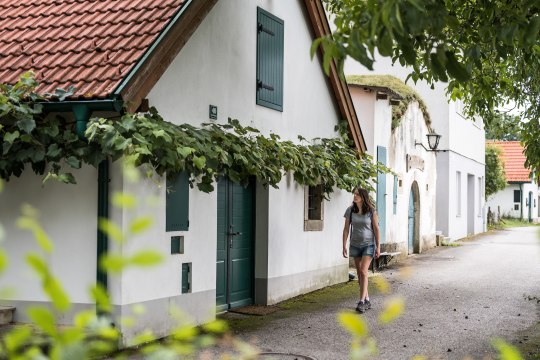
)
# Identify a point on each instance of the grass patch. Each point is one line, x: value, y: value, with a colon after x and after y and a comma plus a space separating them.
x: 451, y: 244
x: 528, y: 342
x: 506, y: 223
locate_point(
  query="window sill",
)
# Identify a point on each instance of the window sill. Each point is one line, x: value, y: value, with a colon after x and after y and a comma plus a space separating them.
x: 313, y: 225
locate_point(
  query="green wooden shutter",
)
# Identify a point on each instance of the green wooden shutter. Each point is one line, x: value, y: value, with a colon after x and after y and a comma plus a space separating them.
x: 269, y: 60
x: 186, y: 286
x: 177, y: 203
x: 395, y: 194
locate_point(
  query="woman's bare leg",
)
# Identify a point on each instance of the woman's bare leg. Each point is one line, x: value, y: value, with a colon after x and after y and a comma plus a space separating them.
x: 362, y: 268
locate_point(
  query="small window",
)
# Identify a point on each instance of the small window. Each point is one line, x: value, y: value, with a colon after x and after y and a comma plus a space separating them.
x: 177, y: 245
x: 517, y: 196
x: 269, y: 60
x: 516, y: 206
x: 313, y: 208
x: 177, y: 202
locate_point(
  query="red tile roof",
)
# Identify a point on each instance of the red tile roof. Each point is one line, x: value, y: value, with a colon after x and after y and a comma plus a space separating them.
x: 90, y: 44
x: 514, y: 160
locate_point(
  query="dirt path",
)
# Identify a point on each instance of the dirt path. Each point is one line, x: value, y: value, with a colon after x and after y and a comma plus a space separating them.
x: 457, y: 299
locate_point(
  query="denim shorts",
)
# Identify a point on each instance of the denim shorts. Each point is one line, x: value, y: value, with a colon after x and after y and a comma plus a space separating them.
x: 367, y: 250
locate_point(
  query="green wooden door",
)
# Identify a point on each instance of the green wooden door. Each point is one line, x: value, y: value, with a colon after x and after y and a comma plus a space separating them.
x: 234, y: 265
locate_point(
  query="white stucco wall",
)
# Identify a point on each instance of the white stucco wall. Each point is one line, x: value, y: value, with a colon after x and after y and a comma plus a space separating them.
x: 412, y: 128
x: 463, y: 138
x: 452, y: 223
x: 375, y: 117
x: 502, y: 202
x: 201, y: 76
x: 217, y: 66
x: 68, y: 216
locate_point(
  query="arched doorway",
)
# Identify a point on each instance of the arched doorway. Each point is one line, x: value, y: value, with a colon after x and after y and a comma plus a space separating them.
x: 414, y: 220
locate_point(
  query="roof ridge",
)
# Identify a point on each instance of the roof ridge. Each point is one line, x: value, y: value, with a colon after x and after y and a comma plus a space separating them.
x: 79, y: 12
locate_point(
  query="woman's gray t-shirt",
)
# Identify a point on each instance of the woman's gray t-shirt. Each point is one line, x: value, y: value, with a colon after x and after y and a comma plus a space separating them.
x: 362, y: 228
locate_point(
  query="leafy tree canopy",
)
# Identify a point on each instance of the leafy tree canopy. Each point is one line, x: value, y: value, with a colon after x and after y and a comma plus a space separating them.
x: 504, y: 127
x: 495, y: 176
x: 487, y: 50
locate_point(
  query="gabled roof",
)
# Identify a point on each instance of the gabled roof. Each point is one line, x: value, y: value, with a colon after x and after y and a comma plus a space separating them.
x: 117, y: 48
x: 514, y: 160
x: 91, y: 45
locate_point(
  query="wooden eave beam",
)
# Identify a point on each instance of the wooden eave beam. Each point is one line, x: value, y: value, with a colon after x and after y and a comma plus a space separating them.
x: 166, y: 51
x: 321, y: 28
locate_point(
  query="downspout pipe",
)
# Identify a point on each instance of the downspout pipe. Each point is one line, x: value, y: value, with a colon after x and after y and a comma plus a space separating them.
x: 81, y: 112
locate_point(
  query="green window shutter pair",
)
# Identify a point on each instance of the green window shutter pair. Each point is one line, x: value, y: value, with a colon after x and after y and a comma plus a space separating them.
x: 177, y: 203
x: 269, y: 60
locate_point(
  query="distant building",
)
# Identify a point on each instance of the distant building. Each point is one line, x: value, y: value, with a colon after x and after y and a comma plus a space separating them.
x: 520, y: 197
x: 460, y: 201
x: 393, y: 118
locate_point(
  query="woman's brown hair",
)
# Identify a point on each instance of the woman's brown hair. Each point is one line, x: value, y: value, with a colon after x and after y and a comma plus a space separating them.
x: 367, y: 205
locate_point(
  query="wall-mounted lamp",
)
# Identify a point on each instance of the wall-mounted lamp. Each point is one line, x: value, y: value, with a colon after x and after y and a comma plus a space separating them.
x: 433, y: 142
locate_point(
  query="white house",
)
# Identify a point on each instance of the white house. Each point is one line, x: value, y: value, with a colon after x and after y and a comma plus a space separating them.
x: 406, y: 199
x: 195, y: 61
x: 460, y: 205
x: 520, y: 197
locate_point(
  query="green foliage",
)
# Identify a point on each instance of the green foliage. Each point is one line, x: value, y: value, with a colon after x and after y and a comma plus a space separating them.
x: 504, y: 127
x: 95, y: 335
x: 506, y: 351
x: 30, y: 137
x: 487, y: 51
x: 495, y: 176
x: 231, y: 150
x: 408, y: 94
x: 146, y: 139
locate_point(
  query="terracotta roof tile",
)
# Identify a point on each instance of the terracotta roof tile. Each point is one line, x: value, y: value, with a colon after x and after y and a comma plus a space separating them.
x: 514, y: 160
x: 91, y: 44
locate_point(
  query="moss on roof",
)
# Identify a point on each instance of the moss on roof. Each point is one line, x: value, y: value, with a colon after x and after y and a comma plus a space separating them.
x: 394, y: 84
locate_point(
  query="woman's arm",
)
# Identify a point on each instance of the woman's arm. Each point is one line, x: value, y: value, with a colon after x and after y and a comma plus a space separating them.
x: 376, y: 233
x: 345, y: 236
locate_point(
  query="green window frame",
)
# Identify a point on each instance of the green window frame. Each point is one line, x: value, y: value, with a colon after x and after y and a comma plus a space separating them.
x: 270, y: 53
x: 177, y: 202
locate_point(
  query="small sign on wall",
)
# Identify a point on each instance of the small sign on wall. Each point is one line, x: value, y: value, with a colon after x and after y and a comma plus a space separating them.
x: 415, y: 162
x: 212, y: 112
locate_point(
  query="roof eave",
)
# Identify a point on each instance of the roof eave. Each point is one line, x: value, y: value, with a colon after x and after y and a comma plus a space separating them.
x: 320, y: 26
x: 155, y: 61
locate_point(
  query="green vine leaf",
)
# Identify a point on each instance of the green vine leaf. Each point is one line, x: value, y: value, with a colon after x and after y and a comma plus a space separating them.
x: 205, y: 153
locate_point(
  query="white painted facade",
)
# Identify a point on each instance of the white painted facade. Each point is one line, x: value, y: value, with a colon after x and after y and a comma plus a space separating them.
x: 217, y: 66
x: 375, y: 117
x: 464, y: 140
x: 68, y: 215
x: 503, y: 203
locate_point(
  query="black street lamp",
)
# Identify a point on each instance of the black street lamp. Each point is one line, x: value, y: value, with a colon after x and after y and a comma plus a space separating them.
x: 433, y: 142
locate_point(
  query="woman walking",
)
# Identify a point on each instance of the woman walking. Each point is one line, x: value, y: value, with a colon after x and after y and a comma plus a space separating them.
x: 364, y: 244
